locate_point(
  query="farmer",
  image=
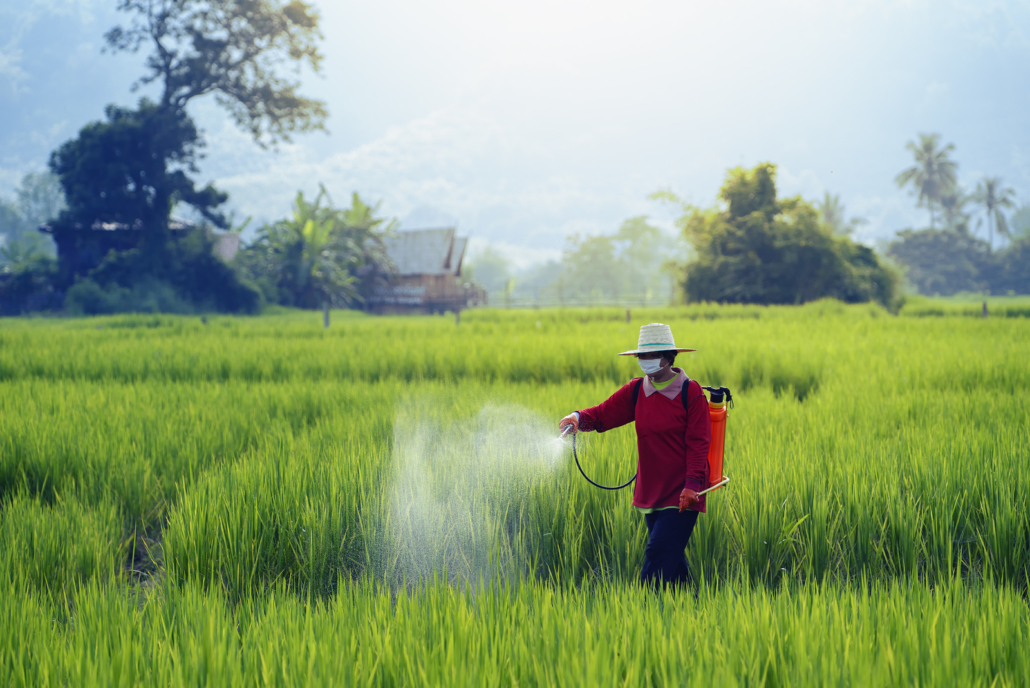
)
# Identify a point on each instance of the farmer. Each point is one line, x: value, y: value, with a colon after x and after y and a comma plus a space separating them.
x: 672, y: 444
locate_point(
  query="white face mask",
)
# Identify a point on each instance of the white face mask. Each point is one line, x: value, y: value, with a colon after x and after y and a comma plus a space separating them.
x: 650, y: 365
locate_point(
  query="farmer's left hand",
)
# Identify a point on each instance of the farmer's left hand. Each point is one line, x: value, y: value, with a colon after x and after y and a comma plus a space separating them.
x: 688, y: 498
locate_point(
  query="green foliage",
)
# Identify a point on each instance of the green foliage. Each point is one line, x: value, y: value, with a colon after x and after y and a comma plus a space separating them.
x: 129, y: 169
x: 38, y: 199
x: 1020, y: 222
x: 26, y: 271
x: 877, y: 635
x: 639, y: 264
x: 184, y: 276
x: 321, y: 255
x: 941, y: 261
x: 86, y: 297
x: 761, y: 249
x: 55, y: 547
x: 947, y: 262
x: 592, y: 270
x: 489, y: 269
x: 27, y: 282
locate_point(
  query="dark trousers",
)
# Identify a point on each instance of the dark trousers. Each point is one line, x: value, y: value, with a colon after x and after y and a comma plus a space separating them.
x: 665, y: 562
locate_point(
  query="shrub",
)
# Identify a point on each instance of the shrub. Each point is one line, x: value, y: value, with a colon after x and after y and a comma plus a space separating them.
x: 761, y: 249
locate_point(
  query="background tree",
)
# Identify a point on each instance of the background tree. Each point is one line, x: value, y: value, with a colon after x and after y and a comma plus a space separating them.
x: 1019, y: 223
x: 992, y: 199
x: 761, y: 249
x: 321, y: 255
x: 490, y: 269
x: 38, y: 199
x: 363, y: 231
x: 941, y: 262
x: 641, y: 250
x: 933, y: 176
x: 831, y: 212
x: 129, y: 171
x: 232, y: 49
x: 593, y: 271
x: 953, y: 207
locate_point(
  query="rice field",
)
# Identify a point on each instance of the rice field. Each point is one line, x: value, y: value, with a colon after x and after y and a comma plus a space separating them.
x: 260, y: 501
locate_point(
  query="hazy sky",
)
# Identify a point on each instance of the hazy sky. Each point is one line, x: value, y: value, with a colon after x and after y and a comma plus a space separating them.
x: 526, y: 121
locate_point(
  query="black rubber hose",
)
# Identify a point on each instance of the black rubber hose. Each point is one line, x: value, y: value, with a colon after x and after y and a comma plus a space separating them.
x: 603, y: 487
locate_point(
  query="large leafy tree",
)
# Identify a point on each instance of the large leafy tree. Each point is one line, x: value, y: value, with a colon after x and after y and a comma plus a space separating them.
x: 933, y: 176
x: 232, y: 49
x: 762, y: 249
x: 132, y: 168
x: 129, y: 171
x: 994, y: 199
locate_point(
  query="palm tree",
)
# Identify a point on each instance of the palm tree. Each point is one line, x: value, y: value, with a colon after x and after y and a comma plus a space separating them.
x: 933, y: 175
x: 954, y: 204
x: 831, y: 210
x: 992, y: 198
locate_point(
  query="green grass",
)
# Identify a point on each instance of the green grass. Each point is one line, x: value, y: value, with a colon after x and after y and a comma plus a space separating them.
x: 258, y: 501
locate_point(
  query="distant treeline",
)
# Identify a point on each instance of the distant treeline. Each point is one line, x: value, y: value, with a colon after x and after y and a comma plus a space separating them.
x: 753, y: 248
x: 949, y: 257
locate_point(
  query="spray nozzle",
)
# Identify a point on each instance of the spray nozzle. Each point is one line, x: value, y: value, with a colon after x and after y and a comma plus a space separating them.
x: 566, y: 431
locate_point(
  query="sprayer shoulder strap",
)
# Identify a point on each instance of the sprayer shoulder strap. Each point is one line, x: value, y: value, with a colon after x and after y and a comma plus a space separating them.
x: 636, y: 393
x: 683, y: 394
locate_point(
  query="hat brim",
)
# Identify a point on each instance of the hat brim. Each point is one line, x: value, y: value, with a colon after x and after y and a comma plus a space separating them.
x: 654, y: 351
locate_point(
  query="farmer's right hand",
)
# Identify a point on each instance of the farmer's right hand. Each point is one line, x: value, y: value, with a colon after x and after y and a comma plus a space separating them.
x: 571, y: 419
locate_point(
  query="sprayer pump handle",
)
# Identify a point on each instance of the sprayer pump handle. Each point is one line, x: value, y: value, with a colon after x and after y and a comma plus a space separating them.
x: 720, y: 393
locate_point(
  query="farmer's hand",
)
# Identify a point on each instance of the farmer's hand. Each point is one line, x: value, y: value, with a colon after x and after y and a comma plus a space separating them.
x: 688, y: 498
x: 571, y: 419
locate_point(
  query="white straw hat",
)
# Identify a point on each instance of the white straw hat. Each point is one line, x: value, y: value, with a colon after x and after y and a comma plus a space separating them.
x: 654, y: 337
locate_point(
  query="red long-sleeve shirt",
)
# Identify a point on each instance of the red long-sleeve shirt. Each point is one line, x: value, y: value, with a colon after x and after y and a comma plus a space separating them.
x: 672, y: 444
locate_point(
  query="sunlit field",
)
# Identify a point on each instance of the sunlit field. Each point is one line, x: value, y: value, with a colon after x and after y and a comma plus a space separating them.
x: 261, y: 501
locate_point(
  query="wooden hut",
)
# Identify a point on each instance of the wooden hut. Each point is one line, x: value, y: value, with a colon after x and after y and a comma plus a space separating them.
x: 429, y: 274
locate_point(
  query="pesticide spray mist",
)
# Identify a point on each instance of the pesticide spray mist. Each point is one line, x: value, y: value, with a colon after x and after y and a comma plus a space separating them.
x: 464, y: 489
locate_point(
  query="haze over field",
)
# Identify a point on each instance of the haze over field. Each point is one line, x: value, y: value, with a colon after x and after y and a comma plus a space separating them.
x: 527, y: 121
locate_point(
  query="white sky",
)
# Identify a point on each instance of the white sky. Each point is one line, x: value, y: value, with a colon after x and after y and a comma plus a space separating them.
x: 526, y: 121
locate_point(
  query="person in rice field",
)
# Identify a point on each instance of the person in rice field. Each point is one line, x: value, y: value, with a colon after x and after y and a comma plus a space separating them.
x: 674, y: 431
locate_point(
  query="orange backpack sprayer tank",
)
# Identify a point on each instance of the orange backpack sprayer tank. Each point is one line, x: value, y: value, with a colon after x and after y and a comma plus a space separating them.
x: 718, y: 409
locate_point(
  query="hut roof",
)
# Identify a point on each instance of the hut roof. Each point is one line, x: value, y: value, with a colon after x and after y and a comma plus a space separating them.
x: 427, y: 251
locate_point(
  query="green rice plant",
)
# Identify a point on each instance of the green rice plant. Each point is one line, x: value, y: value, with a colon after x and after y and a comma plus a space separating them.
x: 288, y: 516
x: 386, y: 502
x: 539, y: 634
x: 54, y: 547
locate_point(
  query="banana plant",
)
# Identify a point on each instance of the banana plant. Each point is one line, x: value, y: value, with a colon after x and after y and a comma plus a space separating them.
x: 321, y: 256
